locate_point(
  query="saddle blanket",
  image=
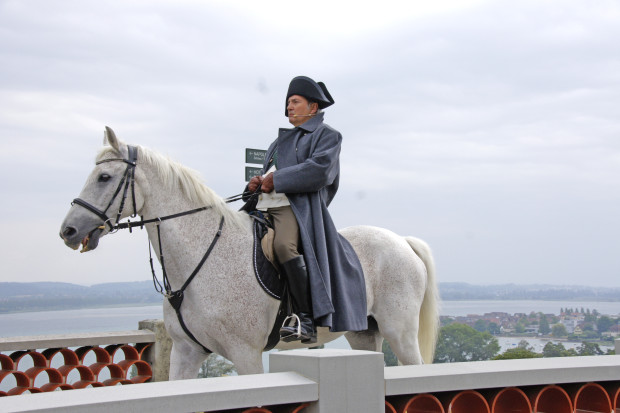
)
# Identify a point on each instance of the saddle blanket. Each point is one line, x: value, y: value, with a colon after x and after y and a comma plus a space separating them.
x: 264, y: 264
x: 268, y: 277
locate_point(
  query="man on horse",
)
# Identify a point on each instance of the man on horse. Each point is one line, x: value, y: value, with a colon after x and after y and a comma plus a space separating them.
x: 299, y: 180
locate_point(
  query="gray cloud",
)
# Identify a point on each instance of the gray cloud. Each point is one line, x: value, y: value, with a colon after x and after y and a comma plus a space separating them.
x: 490, y: 130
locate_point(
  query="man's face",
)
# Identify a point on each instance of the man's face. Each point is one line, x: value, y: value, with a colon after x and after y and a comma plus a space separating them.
x: 299, y: 111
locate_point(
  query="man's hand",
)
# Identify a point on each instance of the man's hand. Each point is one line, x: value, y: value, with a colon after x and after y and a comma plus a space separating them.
x: 267, y: 185
x: 255, y: 182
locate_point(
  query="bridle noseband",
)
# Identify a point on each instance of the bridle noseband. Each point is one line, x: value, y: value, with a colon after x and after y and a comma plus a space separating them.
x: 127, y: 181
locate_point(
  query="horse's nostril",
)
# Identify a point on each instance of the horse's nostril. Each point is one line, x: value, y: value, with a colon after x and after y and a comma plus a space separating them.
x: 68, y: 232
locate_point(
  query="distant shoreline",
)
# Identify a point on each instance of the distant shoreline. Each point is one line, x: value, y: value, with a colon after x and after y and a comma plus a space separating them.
x: 92, y: 307
x: 35, y: 308
x: 57, y: 296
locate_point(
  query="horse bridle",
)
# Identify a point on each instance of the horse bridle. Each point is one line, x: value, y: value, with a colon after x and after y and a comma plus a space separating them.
x: 127, y: 181
x: 175, y: 298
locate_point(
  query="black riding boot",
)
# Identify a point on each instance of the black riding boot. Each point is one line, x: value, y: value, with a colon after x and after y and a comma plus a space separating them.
x: 297, y: 278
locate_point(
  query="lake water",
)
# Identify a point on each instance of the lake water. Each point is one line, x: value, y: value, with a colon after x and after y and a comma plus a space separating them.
x: 127, y: 318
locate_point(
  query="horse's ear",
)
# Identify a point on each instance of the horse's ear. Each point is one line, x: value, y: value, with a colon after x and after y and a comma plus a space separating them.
x: 109, y: 137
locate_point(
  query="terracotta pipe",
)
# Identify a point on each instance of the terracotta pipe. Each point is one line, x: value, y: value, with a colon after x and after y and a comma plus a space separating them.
x: 144, y: 371
x: 420, y: 403
x: 102, y: 358
x: 7, y: 365
x: 508, y: 399
x: 39, y: 363
x: 70, y: 358
x: 54, y: 378
x: 388, y: 407
x: 615, y: 399
x: 53, y: 386
x: 298, y: 409
x: 22, y: 382
x: 550, y: 398
x: 613, y: 390
x: 101, y: 355
x: 589, y: 397
x: 466, y: 401
x: 129, y: 352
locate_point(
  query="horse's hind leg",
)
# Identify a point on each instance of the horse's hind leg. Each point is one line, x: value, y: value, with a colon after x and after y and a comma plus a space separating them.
x: 403, y: 339
x: 370, y: 339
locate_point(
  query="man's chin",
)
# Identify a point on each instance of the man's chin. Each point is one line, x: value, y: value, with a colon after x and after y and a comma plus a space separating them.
x: 295, y: 120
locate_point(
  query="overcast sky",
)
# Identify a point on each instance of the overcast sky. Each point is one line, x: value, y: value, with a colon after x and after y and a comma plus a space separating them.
x: 490, y: 129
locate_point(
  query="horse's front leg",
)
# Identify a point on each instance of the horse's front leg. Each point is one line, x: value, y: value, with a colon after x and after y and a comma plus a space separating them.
x: 185, y: 361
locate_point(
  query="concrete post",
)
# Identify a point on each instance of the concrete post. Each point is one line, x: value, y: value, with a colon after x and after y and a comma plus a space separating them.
x: 158, y: 355
x: 349, y: 380
x: 617, y: 346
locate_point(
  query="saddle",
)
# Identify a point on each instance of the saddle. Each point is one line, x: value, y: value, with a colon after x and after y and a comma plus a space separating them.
x: 267, y: 274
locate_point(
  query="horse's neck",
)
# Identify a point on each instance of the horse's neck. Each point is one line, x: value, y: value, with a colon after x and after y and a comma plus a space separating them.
x: 185, y: 239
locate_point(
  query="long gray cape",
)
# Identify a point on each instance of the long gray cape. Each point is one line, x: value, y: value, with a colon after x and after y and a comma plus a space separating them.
x: 308, y: 171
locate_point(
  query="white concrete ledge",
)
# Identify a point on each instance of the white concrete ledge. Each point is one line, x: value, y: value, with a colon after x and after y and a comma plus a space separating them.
x: 350, y: 381
x: 175, y: 396
x: 76, y: 340
x: 499, y: 373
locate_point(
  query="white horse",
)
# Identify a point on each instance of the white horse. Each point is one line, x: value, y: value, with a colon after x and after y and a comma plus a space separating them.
x: 224, y: 306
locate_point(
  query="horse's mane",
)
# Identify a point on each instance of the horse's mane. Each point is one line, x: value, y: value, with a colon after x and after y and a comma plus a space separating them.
x: 177, y: 176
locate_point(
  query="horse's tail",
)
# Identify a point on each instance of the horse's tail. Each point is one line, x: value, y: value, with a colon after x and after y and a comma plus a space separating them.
x: 429, y: 311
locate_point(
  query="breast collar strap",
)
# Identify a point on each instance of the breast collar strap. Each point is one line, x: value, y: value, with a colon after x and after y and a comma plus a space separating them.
x: 175, y: 298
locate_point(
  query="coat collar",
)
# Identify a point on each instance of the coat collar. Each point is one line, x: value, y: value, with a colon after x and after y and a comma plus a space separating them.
x: 313, y: 123
x: 309, y: 126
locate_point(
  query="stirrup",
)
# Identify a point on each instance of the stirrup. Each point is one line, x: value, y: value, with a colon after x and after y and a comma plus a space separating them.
x: 292, y: 336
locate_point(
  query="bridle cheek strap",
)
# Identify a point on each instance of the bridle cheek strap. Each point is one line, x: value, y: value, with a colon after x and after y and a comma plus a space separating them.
x: 127, y: 180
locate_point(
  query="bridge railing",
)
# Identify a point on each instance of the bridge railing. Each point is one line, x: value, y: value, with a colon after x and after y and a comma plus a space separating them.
x: 304, y: 381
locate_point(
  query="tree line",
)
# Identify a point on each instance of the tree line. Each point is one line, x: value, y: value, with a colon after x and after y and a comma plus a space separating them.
x: 460, y: 343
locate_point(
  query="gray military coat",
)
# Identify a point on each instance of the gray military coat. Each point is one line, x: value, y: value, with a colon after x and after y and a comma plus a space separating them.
x: 308, y: 171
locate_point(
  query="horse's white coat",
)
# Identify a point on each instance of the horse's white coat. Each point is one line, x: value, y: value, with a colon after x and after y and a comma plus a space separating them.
x: 224, y: 306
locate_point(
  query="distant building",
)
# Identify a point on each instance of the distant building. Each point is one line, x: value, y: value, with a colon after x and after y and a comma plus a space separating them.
x: 614, y: 331
x: 532, y: 329
x: 571, y: 322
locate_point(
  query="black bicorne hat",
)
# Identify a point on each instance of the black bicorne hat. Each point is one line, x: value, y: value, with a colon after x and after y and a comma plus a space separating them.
x: 311, y: 90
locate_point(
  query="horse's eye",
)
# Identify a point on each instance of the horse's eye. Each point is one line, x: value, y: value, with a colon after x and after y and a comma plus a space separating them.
x: 104, y: 178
